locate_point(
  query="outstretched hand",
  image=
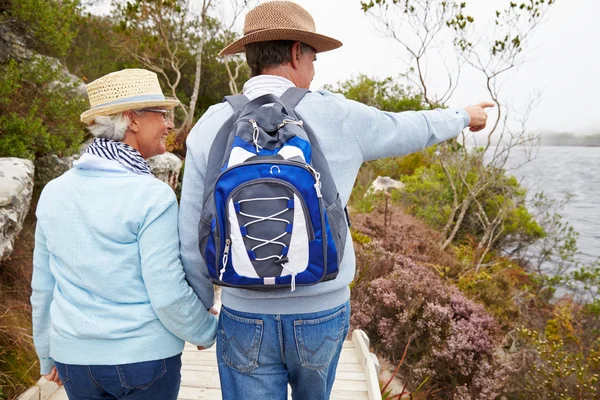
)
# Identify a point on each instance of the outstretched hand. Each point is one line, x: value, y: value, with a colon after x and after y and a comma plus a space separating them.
x: 53, y: 377
x: 478, y: 115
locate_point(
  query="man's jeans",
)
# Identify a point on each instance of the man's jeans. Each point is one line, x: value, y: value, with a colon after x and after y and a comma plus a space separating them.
x: 150, y: 380
x: 259, y: 354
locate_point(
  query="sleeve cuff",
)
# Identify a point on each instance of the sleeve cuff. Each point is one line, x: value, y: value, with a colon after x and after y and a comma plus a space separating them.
x: 465, y: 116
x: 46, y: 365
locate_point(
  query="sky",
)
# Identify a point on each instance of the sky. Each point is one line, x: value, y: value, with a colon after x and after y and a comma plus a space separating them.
x: 563, y: 63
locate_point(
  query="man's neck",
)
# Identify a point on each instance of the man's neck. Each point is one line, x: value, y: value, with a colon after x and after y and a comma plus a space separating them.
x: 282, y: 72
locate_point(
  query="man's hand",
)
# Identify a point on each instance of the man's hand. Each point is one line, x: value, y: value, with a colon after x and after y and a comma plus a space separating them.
x: 53, y: 377
x: 478, y: 115
x: 213, y: 311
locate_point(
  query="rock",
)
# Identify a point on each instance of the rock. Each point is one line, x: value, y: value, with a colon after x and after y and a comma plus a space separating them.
x: 51, y: 166
x: 14, y: 46
x: 166, y: 167
x: 16, y: 190
x: 384, y: 184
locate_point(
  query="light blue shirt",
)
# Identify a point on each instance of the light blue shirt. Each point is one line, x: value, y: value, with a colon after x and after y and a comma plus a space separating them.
x: 108, y: 284
x: 349, y: 134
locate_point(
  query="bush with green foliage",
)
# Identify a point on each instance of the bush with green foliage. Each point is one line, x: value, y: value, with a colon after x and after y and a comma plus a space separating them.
x: 39, y: 111
x: 50, y: 23
x: 428, y: 195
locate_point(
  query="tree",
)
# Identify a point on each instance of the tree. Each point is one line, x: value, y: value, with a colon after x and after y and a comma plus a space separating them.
x: 422, y: 26
x: 163, y: 35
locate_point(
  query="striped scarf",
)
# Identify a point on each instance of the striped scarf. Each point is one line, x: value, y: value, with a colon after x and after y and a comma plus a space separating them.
x: 126, y: 155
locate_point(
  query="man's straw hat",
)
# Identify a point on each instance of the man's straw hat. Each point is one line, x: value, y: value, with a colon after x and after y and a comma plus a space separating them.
x: 128, y: 89
x: 280, y: 20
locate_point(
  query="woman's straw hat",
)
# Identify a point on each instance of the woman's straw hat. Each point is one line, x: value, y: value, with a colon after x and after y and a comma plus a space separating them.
x: 128, y: 89
x: 280, y: 20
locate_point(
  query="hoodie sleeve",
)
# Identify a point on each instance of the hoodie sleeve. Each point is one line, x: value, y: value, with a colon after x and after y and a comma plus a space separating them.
x: 171, y: 297
x: 42, y: 285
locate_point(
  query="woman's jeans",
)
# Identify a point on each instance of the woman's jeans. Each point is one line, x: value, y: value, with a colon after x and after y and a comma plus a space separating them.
x: 150, y: 380
x: 259, y: 354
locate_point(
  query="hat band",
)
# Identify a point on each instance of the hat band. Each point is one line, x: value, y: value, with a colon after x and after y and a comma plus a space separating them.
x: 145, y: 97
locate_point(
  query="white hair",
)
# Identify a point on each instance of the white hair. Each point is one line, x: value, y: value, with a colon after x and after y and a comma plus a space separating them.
x: 110, y: 127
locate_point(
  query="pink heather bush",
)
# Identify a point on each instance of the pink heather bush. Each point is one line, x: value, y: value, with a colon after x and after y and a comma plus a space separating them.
x: 453, y: 339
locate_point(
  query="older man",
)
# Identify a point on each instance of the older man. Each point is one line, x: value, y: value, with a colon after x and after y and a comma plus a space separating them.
x: 271, y: 338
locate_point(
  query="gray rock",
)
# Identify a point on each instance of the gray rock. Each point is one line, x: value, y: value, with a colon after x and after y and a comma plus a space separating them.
x: 14, y: 46
x: 384, y: 184
x: 166, y: 167
x: 51, y: 166
x: 16, y: 190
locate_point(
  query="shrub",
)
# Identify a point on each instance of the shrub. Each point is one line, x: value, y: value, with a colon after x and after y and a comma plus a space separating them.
x: 452, y: 338
x: 555, y: 370
x: 51, y: 23
x: 39, y: 111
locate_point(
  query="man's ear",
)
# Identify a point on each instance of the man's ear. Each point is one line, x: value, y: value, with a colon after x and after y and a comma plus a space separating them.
x: 296, y: 55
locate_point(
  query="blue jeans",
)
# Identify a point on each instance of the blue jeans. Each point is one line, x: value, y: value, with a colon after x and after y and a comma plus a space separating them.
x: 150, y: 380
x: 259, y: 354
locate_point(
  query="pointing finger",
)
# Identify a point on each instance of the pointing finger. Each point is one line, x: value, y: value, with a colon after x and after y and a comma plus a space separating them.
x: 486, y: 104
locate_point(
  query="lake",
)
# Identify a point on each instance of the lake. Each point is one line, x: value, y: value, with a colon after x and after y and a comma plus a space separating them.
x: 559, y: 171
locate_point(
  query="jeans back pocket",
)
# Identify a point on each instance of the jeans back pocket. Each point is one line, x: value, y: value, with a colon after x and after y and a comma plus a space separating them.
x: 318, y: 340
x: 141, y: 375
x: 240, y: 341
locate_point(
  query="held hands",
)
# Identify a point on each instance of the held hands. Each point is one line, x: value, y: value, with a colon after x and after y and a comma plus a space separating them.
x: 213, y: 311
x: 53, y: 377
x: 478, y: 115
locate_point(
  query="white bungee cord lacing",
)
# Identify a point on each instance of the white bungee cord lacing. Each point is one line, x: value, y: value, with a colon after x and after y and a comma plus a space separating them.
x: 256, y: 131
x: 258, y: 218
x: 264, y: 242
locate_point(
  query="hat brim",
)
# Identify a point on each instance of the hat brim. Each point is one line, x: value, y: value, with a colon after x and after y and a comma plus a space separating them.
x: 318, y: 42
x: 88, y: 116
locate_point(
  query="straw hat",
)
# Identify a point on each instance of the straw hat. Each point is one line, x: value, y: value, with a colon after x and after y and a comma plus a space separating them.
x: 280, y: 20
x: 128, y: 89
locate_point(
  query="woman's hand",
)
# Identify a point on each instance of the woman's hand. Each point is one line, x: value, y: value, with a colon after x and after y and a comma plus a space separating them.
x: 53, y: 377
x: 213, y: 311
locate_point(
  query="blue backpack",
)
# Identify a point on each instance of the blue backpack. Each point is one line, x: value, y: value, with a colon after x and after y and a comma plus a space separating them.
x: 272, y: 216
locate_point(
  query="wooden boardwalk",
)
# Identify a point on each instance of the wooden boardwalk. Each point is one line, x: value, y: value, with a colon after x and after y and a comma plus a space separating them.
x: 356, y: 377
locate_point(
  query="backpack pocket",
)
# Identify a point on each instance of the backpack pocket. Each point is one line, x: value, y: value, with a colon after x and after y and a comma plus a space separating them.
x: 336, y: 217
x: 270, y: 229
x: 209, y: 242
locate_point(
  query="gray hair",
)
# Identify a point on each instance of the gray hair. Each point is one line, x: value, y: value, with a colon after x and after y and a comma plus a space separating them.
x: 261, y: 55
x: 110, y: 127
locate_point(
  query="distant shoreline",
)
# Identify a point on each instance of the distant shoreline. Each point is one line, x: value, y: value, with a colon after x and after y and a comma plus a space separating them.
x: 569, y: 145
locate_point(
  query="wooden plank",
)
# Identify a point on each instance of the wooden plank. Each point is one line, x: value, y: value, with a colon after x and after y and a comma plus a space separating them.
x: 33, y: 393
x: 207, y: 380
x: 47, y: 388
x: 200, y: 377
x: 60, y: 394
x: 215, y: 394
x: 360, y: 340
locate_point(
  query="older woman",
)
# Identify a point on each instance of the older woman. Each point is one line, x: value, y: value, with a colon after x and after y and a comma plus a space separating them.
x: 111, y: 306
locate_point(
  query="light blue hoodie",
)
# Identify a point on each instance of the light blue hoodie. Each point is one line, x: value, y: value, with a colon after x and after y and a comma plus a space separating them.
x: 108, y: 284
x: 349, y: 134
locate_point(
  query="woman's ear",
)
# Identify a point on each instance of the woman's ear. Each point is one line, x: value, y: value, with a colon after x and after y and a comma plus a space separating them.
x: 133, y: 122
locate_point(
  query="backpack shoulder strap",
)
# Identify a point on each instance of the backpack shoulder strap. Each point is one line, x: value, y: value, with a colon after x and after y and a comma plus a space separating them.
x: 292, y: 97
x: 237, y: 101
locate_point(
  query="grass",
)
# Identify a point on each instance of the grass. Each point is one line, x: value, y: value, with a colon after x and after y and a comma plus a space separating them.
x: 19, y: 366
